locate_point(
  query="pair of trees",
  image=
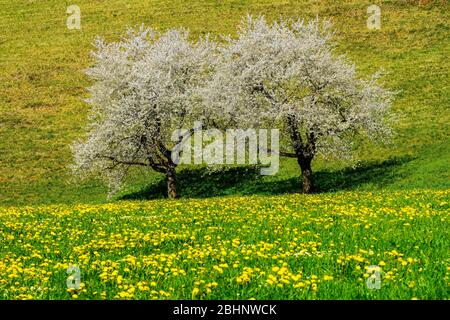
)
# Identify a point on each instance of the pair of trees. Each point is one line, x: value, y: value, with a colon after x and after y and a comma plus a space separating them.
x: 282, y: 75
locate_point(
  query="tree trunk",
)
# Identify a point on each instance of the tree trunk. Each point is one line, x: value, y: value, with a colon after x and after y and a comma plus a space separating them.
x: 305, y: 166
x: 304, y: 151
x: 171, y: 183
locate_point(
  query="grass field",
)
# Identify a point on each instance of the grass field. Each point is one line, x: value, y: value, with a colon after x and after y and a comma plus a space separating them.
x: 42, y: 86
x: 280, y: 247
x: 234, y: 234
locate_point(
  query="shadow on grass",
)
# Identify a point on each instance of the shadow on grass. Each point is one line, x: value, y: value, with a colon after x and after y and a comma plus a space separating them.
x: 373, y: 174
x: 201, y: 183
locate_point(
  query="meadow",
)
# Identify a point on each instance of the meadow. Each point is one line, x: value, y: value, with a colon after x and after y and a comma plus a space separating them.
x: 233, y: 234
x: 257, y: 247
x: 42, y: 87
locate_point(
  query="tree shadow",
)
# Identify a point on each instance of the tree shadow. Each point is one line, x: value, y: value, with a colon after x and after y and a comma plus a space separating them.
x: 203, y: 183
x: 369, y: 174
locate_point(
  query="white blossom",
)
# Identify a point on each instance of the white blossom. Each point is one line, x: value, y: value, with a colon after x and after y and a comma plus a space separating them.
x: 287, y: 75
x: 144, y: 87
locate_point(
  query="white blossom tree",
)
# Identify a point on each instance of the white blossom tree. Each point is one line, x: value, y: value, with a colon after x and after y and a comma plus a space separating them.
x: 144, y: 87
x: 287, y: 75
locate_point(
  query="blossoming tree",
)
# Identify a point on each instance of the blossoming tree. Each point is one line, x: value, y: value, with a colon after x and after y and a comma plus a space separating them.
x: 144, y: 87
x: 287, y: 75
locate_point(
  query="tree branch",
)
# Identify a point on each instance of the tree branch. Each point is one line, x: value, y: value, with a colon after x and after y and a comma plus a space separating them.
x: 131, y: 163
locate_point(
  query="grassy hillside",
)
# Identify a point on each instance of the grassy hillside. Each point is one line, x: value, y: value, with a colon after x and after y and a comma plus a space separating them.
x: 42, y: 87
x: 278, y: 247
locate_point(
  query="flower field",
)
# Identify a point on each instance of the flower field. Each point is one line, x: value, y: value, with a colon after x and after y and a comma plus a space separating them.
x: 277, y: 247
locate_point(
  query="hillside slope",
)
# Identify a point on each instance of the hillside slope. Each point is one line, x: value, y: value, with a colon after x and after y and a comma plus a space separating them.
x: 42, y: 87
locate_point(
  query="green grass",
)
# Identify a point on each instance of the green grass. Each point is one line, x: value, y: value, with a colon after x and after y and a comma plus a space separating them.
x: 42, y: 87
x: 277, y: 247
x: 234, y: 234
